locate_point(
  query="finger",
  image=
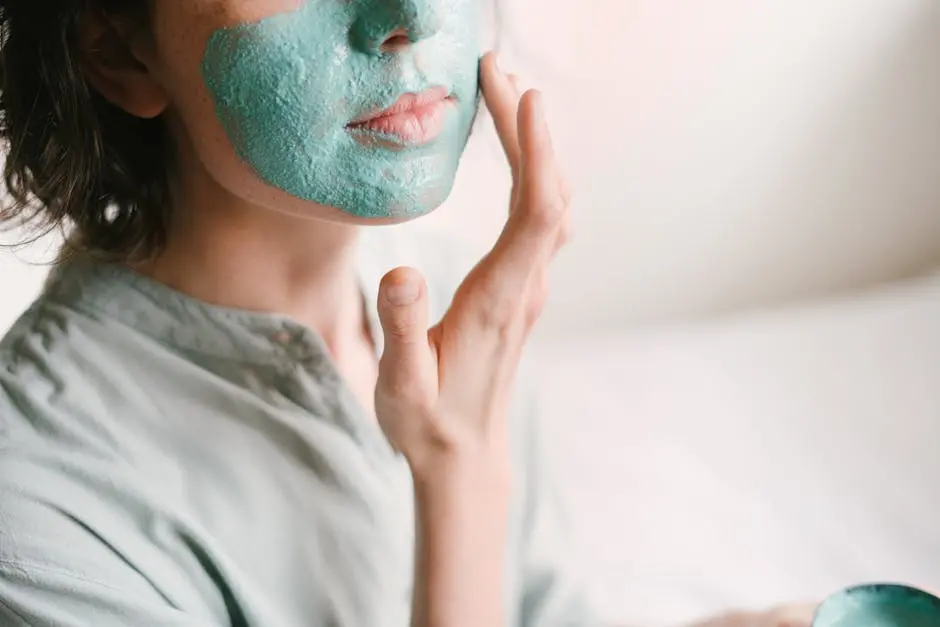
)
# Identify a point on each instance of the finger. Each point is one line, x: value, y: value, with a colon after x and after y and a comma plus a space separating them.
x: 530, y: 235
x: 403, y: 314
x: 502, y: 101
x: 531, y: 230
x: 516, y: 85
x: 539, y: 209
x: 791, y: 616
x: 565, y: 231
x: 543, y: 187
x: 538, y: 174
x: 564, y: 188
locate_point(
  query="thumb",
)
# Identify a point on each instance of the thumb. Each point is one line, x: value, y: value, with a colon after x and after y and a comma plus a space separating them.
x: 403, y: 313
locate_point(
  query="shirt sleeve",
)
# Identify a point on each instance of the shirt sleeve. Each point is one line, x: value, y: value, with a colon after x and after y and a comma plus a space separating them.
x: 554, y: 588
x: 55, y: 572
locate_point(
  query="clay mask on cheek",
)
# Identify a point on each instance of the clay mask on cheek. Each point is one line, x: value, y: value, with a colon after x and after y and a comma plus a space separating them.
x: 292, y: 92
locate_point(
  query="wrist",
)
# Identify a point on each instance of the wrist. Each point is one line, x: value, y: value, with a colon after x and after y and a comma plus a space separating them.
x: 462, y: 472
x: 461, y: 527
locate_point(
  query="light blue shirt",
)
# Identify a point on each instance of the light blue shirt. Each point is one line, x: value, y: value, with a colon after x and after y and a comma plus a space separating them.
x: 167, y: 462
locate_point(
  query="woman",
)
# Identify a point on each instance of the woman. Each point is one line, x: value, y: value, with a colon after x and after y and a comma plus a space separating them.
x: 189, y: 410
x: 195, y: 425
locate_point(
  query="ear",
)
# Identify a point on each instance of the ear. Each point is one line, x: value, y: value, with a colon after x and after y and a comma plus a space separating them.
x: 107, y: 46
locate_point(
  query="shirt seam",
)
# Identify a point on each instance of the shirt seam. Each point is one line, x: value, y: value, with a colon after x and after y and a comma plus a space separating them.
x: 93, y: 312
x: 167, y: 300
x: 8, y: 564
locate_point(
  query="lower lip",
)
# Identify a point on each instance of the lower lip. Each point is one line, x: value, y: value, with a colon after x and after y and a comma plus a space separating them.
x: 417, y: 126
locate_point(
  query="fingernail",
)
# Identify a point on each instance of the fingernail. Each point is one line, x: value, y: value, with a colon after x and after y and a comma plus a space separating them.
x: 403, y: 293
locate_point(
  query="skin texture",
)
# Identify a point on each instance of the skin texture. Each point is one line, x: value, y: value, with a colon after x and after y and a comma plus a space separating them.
x: 286, y: 86
x: 269, y: 138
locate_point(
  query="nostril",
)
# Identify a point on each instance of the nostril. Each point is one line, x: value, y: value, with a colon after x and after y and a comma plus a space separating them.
x: 396, y: 41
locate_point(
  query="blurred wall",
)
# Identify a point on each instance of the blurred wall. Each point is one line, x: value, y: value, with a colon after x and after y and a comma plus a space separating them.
x: 726, y: 153
x: 729, y: 153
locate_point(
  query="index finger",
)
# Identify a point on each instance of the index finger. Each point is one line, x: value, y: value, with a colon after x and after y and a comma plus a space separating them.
x: 528, y: 239
x: 502, y: 101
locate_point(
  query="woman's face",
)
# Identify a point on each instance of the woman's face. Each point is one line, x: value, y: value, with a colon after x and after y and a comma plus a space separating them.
x: 313, y: 106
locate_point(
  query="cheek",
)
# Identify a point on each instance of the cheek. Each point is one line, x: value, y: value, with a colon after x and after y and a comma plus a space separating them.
x: 183, y: 30
x: 180, y: 37
x: 274, y: 95
x: 284, y: 73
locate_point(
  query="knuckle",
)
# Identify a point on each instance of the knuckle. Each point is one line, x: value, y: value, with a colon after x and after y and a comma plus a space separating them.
x: 497, y: 306
x: 443, y: 436
x: 401, y: 323
x: 498, y: 315
x: 565, y: 234
x: 534, y: 312
x: 415, y: 398
x: 501, y: 317
x: 402, y: 396
x: 544, y: 215
x: 535, y: 304
x: 564, y: 190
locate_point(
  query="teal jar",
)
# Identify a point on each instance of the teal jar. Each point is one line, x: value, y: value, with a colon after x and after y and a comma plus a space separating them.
x: 879, y: 605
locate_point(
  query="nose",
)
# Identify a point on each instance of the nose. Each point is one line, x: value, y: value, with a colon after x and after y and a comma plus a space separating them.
x: 390, y: 26
x: 396, y: 41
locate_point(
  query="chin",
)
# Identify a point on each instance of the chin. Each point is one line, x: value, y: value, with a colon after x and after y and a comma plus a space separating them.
x: 398, y: 205
x: 391, y: 211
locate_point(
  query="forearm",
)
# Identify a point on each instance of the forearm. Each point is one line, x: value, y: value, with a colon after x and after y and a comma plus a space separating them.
x: 461, y: 542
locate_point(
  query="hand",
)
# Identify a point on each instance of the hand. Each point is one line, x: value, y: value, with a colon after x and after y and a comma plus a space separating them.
x: 442, y: 394
x: 783, y: 616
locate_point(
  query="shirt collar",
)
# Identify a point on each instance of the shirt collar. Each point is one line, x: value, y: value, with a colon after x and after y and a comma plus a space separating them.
x: 120, y: 294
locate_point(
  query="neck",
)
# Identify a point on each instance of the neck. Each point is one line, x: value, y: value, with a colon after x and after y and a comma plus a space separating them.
x: 227, y: 252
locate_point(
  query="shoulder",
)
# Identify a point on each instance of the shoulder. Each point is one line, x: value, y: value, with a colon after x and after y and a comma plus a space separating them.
x: 29, y: 363
x: 42, y: 443
x: 51, y: 367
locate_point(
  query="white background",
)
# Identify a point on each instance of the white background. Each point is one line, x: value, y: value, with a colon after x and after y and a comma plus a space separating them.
x: 730, y: 152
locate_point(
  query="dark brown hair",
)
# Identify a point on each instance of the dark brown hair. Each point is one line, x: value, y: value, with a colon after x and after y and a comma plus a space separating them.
x: 75, y: 161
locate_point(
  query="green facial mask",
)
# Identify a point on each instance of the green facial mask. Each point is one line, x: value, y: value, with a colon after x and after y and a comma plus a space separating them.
x: 286, y: 87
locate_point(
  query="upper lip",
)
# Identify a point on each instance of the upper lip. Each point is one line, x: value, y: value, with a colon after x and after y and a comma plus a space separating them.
x: 406, y: 102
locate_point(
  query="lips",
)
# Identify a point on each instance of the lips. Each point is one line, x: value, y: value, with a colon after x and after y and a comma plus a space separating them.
x: 413, y: 120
